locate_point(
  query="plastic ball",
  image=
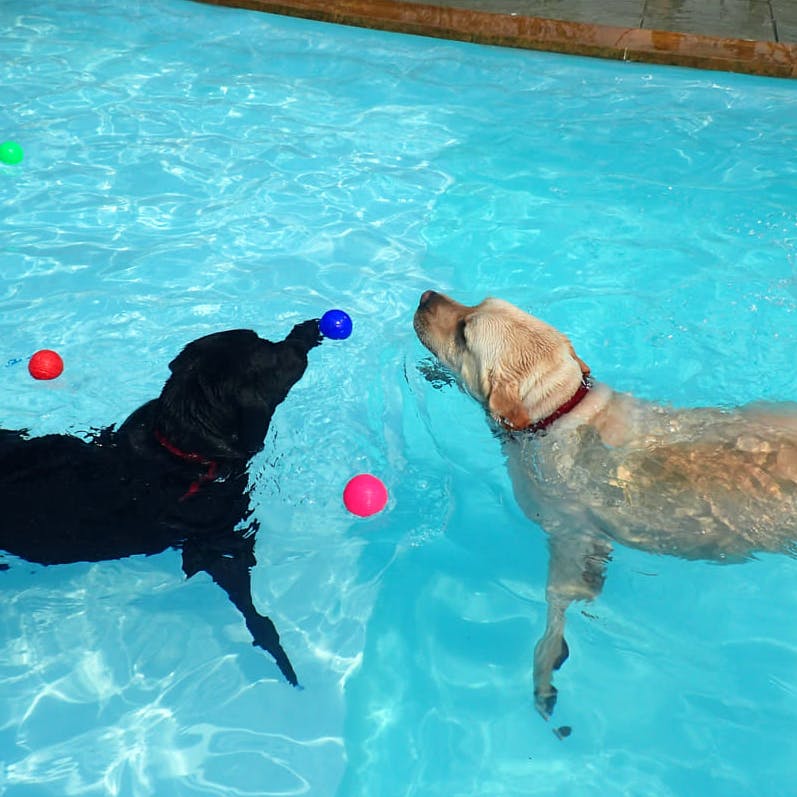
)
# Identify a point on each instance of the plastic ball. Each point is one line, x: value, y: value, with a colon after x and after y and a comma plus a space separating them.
x: 335, y: 324
x: 10, y: 152
x: 365, y: 495
x: 45, y: 364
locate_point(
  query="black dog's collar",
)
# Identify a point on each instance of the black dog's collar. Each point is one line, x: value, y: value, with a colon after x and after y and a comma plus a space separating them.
x: 208, y: 476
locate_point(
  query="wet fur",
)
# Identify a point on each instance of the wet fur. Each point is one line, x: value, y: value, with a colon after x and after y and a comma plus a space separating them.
x: 173, y: 475
x: 699, y: 483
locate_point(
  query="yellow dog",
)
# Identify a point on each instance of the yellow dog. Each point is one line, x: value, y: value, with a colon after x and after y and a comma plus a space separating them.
x: 594, y: 467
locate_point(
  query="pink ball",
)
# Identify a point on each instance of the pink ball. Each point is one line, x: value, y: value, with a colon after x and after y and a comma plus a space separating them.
x: 365, y: 495
x: 45, y: 364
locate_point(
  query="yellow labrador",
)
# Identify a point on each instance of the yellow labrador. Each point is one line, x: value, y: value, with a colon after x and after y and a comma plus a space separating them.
x: 593, y: 466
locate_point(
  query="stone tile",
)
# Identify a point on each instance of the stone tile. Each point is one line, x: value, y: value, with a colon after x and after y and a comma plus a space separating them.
x: 739, y: 19
x: 619, y: 13
x: 710, y: 52
x: 785, y: 13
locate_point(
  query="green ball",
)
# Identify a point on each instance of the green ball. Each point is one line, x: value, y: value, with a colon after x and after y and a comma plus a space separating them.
x: 10, y: 152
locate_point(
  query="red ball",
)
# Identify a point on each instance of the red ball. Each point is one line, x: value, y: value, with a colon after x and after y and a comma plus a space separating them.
x: 365, y: 495
x: 46, y: 364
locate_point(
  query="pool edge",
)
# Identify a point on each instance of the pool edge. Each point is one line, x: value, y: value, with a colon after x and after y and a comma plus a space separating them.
x: 765, y: 58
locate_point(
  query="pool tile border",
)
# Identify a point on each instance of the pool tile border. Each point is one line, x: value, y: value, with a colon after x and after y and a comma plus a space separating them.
x: 773, y: 59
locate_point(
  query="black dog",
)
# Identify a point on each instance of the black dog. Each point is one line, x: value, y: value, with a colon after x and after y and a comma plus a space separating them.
x: 173, y: 475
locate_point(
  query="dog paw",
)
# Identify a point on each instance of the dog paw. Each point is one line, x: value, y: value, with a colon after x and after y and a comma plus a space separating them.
x: 545, y: 701
x: 265, y: 636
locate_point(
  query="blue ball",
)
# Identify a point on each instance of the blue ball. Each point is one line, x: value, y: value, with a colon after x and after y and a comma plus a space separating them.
x: 335, y: 324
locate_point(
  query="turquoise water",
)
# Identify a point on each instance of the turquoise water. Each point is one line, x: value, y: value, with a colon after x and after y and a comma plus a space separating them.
x: 191, y: 168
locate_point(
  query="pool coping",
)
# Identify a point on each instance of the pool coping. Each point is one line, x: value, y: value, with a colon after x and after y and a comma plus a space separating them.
x: 772, y: 59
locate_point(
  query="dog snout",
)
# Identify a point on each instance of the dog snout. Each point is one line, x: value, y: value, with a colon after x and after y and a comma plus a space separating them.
x: 427, y: 298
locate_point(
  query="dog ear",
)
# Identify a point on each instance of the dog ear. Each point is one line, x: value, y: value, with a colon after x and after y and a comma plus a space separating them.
x: 507, y: 408
x: 584, y: 367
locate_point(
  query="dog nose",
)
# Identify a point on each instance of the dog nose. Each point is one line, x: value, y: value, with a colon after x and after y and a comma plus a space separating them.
x: 426, y: 297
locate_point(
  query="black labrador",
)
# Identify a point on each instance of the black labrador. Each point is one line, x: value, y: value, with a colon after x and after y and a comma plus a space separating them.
x: 173, y: 475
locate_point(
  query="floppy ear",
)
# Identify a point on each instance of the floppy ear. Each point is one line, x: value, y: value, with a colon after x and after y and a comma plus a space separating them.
x: 506, y: 407
x: 584, y: 367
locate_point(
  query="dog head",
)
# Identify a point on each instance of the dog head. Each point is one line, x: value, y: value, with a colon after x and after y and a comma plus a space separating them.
x: 224, y: 388
x: 519, y: 367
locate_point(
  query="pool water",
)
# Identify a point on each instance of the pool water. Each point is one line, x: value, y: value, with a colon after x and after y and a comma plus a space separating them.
x: 189, y: 169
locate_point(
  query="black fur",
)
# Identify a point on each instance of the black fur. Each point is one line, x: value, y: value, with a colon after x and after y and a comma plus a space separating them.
x: 173, y: 475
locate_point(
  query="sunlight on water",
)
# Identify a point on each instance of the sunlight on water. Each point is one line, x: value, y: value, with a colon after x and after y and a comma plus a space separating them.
x: 190, y: 168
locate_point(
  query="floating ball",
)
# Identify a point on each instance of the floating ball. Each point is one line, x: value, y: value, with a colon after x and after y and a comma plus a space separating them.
x: 10, y: 152
x: 365, y: 495
x: 335, y: 324
x: 45, y: 364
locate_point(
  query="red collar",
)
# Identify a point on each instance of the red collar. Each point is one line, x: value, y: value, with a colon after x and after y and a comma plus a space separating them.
x: 570, y: 404
x: 208, y: 476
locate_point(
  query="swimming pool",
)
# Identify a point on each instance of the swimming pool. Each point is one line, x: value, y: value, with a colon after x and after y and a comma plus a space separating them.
x: 189, y: 169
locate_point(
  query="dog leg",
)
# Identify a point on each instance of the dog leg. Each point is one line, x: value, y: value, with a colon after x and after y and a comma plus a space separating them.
x: 550, y: 653
x: 231, y: 571
x: 576, y: 571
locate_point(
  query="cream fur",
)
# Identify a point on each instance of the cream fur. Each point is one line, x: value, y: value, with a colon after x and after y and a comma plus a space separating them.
x: 695, y: 483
